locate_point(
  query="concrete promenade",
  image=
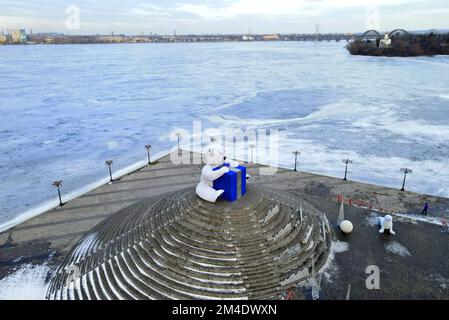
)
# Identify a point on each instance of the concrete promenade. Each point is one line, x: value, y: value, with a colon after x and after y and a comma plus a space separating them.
x: 54, y: 233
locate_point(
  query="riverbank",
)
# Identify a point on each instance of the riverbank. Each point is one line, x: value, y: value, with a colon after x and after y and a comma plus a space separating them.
x: 53, y: 38
x: 410, y: 46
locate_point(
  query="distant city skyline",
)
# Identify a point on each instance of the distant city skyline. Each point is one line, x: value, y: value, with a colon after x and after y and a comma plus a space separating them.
x: 222, y: 16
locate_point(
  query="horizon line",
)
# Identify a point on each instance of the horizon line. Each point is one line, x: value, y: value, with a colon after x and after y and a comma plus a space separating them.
x: 112, y: 33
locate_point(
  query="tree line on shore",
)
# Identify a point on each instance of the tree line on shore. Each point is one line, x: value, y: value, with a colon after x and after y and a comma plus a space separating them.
x: 403, y: 46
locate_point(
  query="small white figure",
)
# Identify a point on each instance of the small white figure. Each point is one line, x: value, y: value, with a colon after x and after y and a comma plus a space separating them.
x: 346, y: 226
x: 214, y: 157
x: 386, y: 224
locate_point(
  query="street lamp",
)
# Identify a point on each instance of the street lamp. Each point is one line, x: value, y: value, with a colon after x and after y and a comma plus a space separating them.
x: 296, y: 154
x: 148, y: 147
x: 347, y: 162
x: 58, y: 184
x: 109, y: 164
x: 406, y: 171
x: 252, y: 146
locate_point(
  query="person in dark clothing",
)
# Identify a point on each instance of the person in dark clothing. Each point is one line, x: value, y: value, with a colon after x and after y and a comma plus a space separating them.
x: 426, y: 209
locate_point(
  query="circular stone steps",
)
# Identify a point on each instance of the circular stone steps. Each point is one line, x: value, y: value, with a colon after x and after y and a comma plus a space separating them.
x: 181, y: 247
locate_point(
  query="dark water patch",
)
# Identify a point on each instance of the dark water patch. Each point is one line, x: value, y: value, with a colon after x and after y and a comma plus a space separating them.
x: 284, y: 104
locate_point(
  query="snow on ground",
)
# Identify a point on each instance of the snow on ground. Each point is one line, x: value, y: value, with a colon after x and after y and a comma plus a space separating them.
x: 413, y: 217
x: 397, y: 248
x: 330, y: 268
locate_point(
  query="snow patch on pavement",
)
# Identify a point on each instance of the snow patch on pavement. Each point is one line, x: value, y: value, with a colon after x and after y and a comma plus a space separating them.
x: 397, y: 248
x: 26, y: 283
x: 330, y: 268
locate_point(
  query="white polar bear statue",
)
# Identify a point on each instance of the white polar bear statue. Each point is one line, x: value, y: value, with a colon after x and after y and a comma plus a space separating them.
x: 215, y: 157
x: 385, y: 42
x: 386, y: 224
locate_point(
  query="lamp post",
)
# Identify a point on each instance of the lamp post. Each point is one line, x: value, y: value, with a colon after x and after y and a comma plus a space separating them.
x: 58, y: 184
x: 296, y: 154
x: 148, y: 147
x: 252, y: 146
x: 347, y: 162
x: 406, y: 171
x: 109, y: 164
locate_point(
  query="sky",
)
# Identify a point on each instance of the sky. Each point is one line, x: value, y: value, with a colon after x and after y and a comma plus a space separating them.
x: 222, y: 16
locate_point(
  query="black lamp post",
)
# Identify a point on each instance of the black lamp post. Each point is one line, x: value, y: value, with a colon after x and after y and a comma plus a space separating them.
x: 406, y: 171
x: 148, y: 147
x: 58, y: 184
x: 109, y: 164
x: 296, y: 154
x: 347, y: 162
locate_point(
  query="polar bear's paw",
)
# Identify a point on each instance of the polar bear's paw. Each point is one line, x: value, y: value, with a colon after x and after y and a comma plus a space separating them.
x: 220, y: 193
x: 233, y: 164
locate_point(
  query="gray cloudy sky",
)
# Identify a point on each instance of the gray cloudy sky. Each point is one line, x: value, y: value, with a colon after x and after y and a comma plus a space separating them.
x: 225, y: 16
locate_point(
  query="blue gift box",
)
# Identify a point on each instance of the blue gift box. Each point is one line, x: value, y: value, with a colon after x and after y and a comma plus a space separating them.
x: 233, y: 183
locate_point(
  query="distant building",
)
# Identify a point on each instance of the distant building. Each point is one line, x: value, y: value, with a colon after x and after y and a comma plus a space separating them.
x: 112, y: 38
x: 18, y: 36
x: 2, y: 39
x: 248, y: 38
x: 140, y: 39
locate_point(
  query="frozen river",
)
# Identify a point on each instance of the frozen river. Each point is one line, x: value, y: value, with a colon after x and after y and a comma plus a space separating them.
x: 66, y: 109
